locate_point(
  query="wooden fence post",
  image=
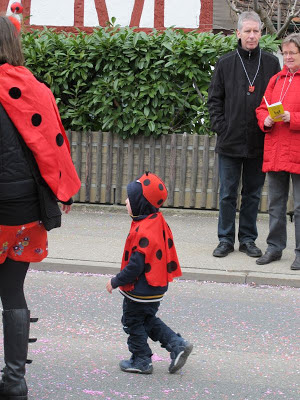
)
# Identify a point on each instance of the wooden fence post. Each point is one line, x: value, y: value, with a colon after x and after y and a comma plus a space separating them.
x: 141, y: 155
x: 162, y: 159
x: 99, y: 167
x: 172, y: 173
x: 109, y: 164
x: 119, y: 172
x: 183, y: 170
x: 130, y: 159
x: 152, y: 154
x: 88, y: 166
x: 205, y: 170
x: 78, y: 159
x: 194, y: 172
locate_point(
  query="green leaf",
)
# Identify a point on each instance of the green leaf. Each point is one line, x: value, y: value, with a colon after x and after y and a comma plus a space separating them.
x: 151, y: 126
x: 168, y: 46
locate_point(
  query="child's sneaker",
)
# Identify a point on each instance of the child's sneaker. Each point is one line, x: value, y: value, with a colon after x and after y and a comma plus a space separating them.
x: 180, y: 350
x: 137, y: 365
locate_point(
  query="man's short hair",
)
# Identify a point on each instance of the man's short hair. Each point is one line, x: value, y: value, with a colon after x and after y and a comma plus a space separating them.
x: 248, y: 16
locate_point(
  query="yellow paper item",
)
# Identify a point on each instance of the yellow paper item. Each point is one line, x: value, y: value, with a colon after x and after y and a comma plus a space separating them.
x: 275, y: 109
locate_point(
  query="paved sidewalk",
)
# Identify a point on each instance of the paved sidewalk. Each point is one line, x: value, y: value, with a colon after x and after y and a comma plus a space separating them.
x: 92, y: 238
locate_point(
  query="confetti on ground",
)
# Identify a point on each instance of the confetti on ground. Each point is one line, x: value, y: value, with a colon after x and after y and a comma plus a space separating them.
x: 246, y: 345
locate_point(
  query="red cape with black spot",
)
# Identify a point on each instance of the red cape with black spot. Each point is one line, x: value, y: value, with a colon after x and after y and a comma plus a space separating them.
x: 153, y: 238
x: 32, y: 108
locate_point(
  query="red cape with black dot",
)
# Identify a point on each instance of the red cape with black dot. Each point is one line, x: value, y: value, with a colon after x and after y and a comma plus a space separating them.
x: 153, y: 238
x: 32, y: 108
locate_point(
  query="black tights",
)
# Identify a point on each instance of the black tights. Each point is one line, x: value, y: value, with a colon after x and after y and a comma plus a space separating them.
x: 12, y: 277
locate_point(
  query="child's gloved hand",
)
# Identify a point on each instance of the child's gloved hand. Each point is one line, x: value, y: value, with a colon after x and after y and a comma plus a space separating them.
x: 109, y: 288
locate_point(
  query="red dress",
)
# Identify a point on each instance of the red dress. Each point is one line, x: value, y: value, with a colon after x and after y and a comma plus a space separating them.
x: 27, y: 243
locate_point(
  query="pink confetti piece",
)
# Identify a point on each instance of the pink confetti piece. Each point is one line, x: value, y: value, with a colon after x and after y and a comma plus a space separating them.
x: 92, y: 392
x: 156, y: 357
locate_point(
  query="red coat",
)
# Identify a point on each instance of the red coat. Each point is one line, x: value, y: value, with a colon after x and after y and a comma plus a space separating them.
x: 282, y: 141
x: 32, y: 108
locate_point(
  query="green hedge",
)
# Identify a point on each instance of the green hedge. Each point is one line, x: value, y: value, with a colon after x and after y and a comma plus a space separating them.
x: 128, y: 82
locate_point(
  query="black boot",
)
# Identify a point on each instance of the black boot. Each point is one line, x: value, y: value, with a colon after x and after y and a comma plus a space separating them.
x: 180, y: 349
x: 16, y: 337
x: 140, y: 365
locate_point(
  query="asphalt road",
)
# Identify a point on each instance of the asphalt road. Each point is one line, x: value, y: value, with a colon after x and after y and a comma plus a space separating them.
x: 246, y: 342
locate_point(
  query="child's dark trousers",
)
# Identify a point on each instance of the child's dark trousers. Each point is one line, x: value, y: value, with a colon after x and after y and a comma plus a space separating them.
x: 140, y: 322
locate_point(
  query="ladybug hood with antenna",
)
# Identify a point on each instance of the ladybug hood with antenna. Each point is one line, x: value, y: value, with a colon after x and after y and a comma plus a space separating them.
x: 146, y: 194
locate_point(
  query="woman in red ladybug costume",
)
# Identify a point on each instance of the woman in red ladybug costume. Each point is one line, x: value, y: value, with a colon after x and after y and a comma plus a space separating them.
x: 149, y: 263
x: 34, y: 152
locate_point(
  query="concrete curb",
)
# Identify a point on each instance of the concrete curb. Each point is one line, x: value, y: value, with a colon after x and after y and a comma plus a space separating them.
x: 165, y: 210
x: 207, y: 275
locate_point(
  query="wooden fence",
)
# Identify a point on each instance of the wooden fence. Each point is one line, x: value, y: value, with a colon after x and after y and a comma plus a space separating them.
x: 187, y: 163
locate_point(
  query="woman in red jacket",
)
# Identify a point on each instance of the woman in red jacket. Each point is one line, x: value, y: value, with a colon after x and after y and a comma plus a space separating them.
x: 34, y: 156
x: 282, y: 150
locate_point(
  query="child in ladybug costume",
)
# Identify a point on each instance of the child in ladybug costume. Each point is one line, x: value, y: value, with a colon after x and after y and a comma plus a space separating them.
x: 149, y: 263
